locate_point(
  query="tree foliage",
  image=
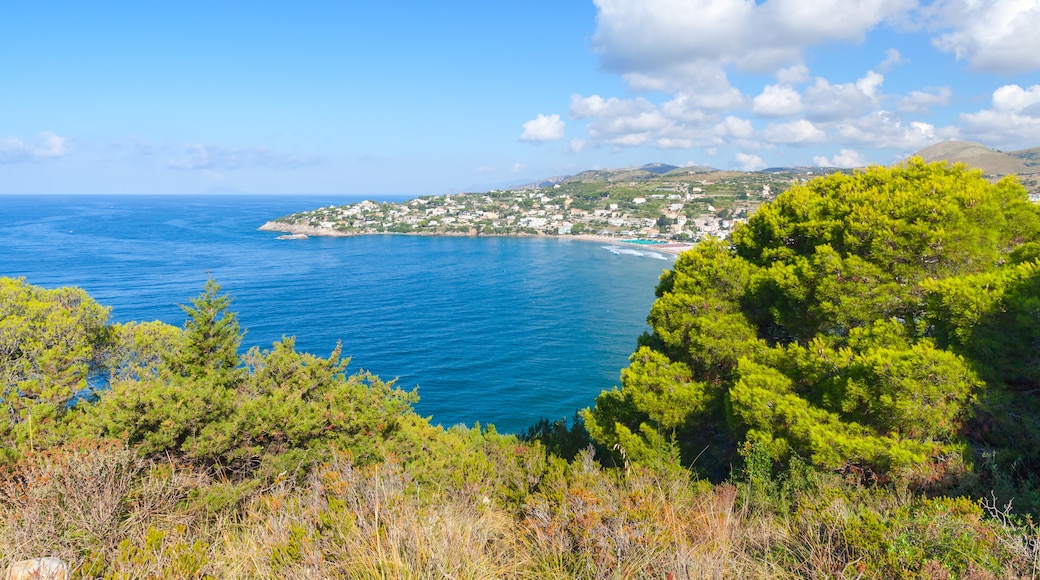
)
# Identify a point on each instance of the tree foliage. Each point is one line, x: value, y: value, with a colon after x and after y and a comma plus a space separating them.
x: 884, y: 319
x: 51, y: 343
x: 167, y: 391
x: 189, y: 393
x: 209, y: 346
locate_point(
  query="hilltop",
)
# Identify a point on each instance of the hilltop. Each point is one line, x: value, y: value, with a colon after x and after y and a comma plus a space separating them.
x: 1024, y: 163
x: 651, y: 171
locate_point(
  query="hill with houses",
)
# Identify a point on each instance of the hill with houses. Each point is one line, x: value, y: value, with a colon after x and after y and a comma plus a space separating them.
x: 656, y: 201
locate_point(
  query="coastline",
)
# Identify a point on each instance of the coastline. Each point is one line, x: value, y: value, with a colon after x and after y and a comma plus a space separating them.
x: 674, y: 248
x: 301, y: 229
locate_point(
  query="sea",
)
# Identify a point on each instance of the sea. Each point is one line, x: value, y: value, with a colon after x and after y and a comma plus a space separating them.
x: 497, y: 330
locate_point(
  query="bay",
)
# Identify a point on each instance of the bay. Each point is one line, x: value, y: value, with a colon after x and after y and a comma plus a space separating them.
x: 497, y: 330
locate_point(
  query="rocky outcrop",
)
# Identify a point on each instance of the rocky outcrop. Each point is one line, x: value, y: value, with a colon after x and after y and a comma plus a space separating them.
x: 38, y: 569
x: 300, y: 229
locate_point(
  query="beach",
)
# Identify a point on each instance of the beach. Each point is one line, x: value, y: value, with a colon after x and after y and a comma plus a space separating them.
x: 674, y: 248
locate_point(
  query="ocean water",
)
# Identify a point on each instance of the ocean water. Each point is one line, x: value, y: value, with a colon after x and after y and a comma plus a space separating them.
x: 496, y: 330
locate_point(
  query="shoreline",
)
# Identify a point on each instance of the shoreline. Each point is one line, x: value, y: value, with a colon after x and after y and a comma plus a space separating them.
x: 674, y: 248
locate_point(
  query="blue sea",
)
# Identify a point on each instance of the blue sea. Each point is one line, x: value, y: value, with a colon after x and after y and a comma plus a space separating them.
x: 503, y: 331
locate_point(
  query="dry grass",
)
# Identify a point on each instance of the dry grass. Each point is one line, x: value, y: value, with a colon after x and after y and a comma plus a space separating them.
x: 112, y: 515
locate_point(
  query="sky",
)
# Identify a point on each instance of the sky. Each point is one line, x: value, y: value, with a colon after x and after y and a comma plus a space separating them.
x: 397, y: 98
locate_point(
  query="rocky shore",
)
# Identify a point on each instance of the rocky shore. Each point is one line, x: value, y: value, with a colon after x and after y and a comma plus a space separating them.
x: 302, y: 229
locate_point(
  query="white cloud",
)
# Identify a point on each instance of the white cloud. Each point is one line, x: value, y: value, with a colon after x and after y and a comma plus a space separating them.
x: 578, y: 145
x: 793, y: 75
x: 619, y: 121
x: 1014, y: 99
x: 683, y: 53
x: 870, y: 83
x: 777, y: 101
x: 683, y: 108
x: 629, y: 139
x: 683, y: 47
x: 749, y: 162
x: 543, y: 128
x: 663, y: 35
x: 221, y: 158
x: 484, y: 169
x: 846, y: 158
x: 1012, y: 122
x: 826, y: 102
x: 705, y: 85
x: 14, y: 150
x: 596, y: 106
x: 922, y: 101
x: 991, y: 35
x: 675, y: 124
x: 618, y: 127
x: 736, y: 127
x: 795, y: 132
x: 846, y: 114
x: 518, y: 167
x: 884, y: 130
x: 670, y: 143
x: 893, y: 58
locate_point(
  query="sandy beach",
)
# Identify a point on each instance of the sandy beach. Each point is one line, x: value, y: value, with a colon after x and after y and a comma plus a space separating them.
x: 674, y: 248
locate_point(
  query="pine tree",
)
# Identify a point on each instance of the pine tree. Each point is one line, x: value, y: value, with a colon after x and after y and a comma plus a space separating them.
x: 886, y: 319
x: 50, y: 344
x: 209, y: 346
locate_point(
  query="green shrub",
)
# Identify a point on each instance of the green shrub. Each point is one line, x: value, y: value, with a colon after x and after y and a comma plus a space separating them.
x: 855, y: 322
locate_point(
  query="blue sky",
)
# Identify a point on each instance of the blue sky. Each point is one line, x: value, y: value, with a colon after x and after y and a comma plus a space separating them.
x: 413, y: 98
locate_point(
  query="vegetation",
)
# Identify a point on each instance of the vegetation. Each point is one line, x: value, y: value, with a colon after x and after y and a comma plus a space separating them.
x: 862, y: 353
x: 883, y: 322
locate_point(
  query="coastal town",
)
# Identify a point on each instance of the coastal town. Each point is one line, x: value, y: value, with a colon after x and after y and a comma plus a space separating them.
x: 652, y: 203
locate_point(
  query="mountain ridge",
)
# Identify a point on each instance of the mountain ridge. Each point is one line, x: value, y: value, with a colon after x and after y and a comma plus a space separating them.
x: 994, y: 163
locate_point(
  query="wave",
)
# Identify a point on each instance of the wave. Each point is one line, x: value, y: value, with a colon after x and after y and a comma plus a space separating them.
x: 620, y: 250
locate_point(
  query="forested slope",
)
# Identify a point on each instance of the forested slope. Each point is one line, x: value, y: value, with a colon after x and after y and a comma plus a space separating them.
x: 886, y: 322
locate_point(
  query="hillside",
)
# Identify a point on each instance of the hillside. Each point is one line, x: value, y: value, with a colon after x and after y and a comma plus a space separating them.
x: 995, y: 164
x: 827, y: 393
x: 657, y: 201
x: 974, y: 155
x: 1030, y: 156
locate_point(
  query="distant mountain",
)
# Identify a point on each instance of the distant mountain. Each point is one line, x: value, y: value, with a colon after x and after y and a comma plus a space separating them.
x: 544, y: 182
x: 637, y: 173
x: 803, y: 170
x: 659, y: 168
x: 990, y: 161
x: 691, y: 169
